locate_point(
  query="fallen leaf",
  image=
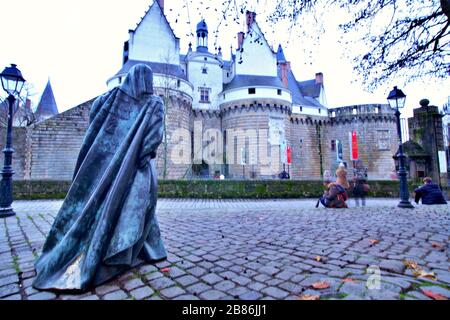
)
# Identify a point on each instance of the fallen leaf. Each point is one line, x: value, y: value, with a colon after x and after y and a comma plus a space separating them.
x: 318, y: 258
x: 424, y: 274
x: 411, y: 265
x: 309, y: 297
x: 374, y: 241
x: 320, y: 285
x: 165, y: 270
x: 436, y: 245
x: 418, y: 271
x: 434, y: 295
x: 348, y: 280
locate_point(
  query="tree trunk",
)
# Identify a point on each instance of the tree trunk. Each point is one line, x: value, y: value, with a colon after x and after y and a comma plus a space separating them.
x: 445, y: 5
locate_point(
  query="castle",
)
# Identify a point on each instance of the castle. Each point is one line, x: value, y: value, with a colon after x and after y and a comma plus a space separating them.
x: 238, y: 117
x: 234, y: 118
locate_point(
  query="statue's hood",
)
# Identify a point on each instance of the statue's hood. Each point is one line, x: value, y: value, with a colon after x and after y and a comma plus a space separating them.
x: 139, y: 81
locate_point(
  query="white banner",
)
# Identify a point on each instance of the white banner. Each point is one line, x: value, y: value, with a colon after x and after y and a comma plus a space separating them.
x: 442, y: 162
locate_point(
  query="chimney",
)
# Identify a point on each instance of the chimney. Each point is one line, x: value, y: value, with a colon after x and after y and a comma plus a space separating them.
x: 161, y: 4
x: 285, y: 68
x: 319, y: 78
x: 250, y: 16
x: 240, y: 37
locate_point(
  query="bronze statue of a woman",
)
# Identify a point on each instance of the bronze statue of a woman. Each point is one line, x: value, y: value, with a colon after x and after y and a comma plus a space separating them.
x: 107, y: 223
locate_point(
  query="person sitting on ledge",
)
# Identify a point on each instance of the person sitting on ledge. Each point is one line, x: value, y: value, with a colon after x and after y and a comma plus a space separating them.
x: 430, y: 193
x: 334, y: 196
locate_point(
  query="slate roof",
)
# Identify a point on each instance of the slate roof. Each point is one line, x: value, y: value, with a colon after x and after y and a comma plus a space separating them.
x: 310, y: 88
x: 47, y: 104
x: 280, y: 54
x: 298, y: 97
x: 242, y: 81
x: 161, y: 68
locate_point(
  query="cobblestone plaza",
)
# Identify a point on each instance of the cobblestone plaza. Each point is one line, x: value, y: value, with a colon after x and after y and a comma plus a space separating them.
x: 257, y: 249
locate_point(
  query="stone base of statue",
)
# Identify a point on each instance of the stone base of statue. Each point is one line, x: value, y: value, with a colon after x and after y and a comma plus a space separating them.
x: 107, y: 223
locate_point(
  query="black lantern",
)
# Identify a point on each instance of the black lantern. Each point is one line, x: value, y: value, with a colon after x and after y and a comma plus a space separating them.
x: 396, y: 99
x: 12, y: 83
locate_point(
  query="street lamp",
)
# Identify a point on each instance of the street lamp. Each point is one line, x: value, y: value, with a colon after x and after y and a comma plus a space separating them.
x: 396, y: 100
x: 12, y: 83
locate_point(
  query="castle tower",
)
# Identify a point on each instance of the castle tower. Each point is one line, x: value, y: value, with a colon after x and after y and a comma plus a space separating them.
x: 47, y: 104
x: 255, y: 107
x: 154, y: 44
x: 202, y: 36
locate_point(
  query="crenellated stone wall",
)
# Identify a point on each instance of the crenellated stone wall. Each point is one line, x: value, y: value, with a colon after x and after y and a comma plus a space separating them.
x: 55, y: 143
x: 48, y: 150
x: 376, y: 130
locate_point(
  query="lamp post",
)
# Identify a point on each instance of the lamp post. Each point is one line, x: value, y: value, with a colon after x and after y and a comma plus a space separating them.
x: 396, y: 99
x: 12, y: 83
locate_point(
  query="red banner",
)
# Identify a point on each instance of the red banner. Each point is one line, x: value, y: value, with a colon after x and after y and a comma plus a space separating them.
x: 354, y: 146
x: 289, y: 155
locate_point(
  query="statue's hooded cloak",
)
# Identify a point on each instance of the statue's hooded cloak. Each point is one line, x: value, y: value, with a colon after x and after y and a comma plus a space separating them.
x: 107, y: 223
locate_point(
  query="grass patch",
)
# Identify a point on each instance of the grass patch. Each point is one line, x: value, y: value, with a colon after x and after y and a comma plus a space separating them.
x: 428, y: 284
x: 403, y: 296
x: 16, y: 264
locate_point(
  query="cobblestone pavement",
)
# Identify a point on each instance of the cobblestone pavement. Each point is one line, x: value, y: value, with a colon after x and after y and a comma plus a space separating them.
x: 267, y: 249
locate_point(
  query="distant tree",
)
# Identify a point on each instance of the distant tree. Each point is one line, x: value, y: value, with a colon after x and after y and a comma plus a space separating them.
x: 168, y: 85
x: 24, y: 115
x: 401, y: 38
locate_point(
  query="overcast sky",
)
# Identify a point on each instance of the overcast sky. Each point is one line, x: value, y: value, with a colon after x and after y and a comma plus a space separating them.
x: 78, y: 45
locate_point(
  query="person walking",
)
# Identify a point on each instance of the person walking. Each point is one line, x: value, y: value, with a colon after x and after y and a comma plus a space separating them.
x: 360, y: 187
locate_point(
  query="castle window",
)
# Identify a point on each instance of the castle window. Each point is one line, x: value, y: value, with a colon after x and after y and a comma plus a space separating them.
x: 333, y: 145
x: 384, y: 140
x: 320, y: 111
x: 301, y: 109
x: 204, y: 94
x: 178, y: 83
x: 204, y: 70
x: 251, y: 90
x: 333, y: 114
x: 228, y: 74
x: 206, y: 59
x: 279, y: 92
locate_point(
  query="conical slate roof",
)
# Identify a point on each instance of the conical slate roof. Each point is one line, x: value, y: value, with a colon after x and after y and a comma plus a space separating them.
x: 47, y: 105
x: 280, y: 54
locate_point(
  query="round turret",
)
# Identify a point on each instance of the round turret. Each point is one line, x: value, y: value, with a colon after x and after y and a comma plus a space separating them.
x: 202, y: 36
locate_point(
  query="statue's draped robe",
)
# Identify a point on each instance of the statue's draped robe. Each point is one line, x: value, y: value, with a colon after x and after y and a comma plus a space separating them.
x: 107, y: 223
